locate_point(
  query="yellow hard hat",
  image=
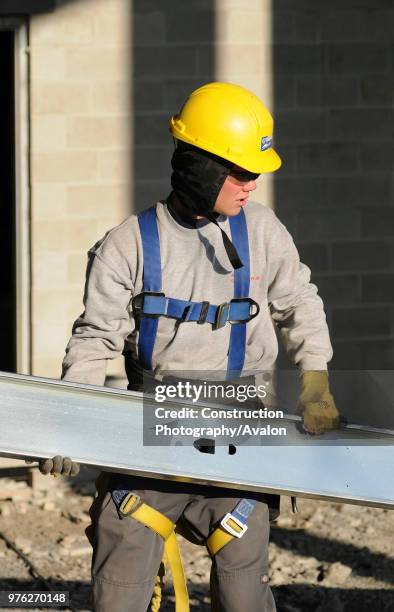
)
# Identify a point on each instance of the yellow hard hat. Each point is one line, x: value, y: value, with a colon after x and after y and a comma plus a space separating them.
x: 231, y: 122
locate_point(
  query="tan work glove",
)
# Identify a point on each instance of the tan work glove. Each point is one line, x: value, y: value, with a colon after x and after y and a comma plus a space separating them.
x: 58, y: 466
x: 316, y: 403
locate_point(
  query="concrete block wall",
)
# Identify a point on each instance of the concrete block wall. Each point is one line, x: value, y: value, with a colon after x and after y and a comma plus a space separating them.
x: 177, y: 47
x: 333, y: 75
x: 173, y: 53
x: 81, y: 160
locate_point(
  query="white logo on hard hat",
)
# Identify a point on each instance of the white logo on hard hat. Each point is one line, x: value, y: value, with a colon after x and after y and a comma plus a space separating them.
x: 266, y: 143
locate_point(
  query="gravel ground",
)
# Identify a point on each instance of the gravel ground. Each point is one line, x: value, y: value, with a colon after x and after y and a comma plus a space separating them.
x: 327, y: 558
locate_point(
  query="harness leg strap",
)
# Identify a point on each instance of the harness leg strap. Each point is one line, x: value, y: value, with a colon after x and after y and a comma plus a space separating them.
x: 133, y: 507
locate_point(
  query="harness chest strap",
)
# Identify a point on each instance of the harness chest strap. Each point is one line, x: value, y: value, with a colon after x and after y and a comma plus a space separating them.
x: 156, y: 303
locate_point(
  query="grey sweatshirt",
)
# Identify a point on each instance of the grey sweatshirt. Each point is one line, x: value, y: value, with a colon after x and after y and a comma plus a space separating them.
x: 195, y: 267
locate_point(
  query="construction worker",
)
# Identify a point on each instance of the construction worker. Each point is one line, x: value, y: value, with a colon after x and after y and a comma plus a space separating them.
x: 197, y: 282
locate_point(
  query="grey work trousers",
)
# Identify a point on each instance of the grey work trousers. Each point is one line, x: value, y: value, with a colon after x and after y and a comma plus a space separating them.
x: 127, y: 555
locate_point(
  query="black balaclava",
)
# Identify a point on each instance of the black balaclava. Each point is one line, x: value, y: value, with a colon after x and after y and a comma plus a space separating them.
x: 197, y: 178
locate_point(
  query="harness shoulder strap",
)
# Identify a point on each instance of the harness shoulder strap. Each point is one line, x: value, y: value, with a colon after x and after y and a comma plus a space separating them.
x: 236, y: 353
x: 147, y: 221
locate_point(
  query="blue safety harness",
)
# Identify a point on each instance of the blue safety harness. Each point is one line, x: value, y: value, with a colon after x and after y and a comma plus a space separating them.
x: 152, y: 303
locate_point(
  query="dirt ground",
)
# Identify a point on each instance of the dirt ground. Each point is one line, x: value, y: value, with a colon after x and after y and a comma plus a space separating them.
x: 327, y: 558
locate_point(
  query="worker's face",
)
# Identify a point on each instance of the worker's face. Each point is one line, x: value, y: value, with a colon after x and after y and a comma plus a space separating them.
x: 234, y: 193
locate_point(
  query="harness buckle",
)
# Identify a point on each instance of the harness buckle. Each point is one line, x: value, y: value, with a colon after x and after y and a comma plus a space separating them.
x: 137, y: 304
x: 227, y: 527
x: 222, y: 315
x: 252, y: 304
x: 129, y: 505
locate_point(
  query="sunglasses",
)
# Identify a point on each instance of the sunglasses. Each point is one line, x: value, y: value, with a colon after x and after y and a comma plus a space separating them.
x: 244, y: 176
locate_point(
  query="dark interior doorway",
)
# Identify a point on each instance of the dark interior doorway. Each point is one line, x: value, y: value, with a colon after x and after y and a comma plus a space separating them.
x: 7, y: 205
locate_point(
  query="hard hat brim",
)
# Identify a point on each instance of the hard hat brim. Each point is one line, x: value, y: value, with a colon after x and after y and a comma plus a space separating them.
x: 263, y: 161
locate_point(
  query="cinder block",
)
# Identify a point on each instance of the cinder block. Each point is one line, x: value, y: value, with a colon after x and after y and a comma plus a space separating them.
x: 115, y: 166
x: 51, y: 306
x: 48, y: 201
x: 65, y: 166
x: 338, y: 289
x: 363, y: 355
x: 359, y: 322
x: 358, y: 58
x: 49, y: 133
x: 76, y: 266
x: 297, y: 59
x: 360, y: 255
x: 113, y: 28
x: 60, y: 98
x: 308, y: 90
x: 49, y: 341
x: 340, y: 25
x: 87, y: 201
x: 377, y: 222
x: 178, y: 61
x: 334, y: 4
x: 75, y: 305
x: 377, y: 287
x: 62, y: 28
x: 149, y: 96
x: 377, y: 157
x: 49, y: 270
x: 339, y: 91
x: 147, y: 193
x: 307, y: 25
x: 151, y: 130
x: 91, y: 63
x: 185, y: 26
x: 153, y: 163
x: 79, y: 235
x: 149, y: 26
x: 315, y: 256
x: 300, y: 193
x: 112, y: 96
x: 176, y: 91
x: 359, y: 124
x: 323, y: 225
x: 48, y: 63
x: 237, y: 4
x: 377, y: 25
x: 377, y: 89
x: 327, y: 91
x: 355, y: 192
x: 240, y: 26
x: 49, y: 367
x: 95, y: 132
x: 284, y: 88
x: 326, y: 158
x: 288, y: 155
x: 300, y: 126
x: 238, y: 60
x: 48, y: 236
x: 283, y: 26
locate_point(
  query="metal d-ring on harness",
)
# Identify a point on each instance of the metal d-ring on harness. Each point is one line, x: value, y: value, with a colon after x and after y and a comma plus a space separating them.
x: 148, y: 306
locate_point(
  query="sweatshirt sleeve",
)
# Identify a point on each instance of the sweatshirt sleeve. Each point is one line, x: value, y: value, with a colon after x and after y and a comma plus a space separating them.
x: 295, y: 306
x: 100, y: 332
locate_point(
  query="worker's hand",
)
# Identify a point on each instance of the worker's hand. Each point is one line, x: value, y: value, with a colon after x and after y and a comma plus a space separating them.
x: 316, y: 403
x: 58, y: 466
